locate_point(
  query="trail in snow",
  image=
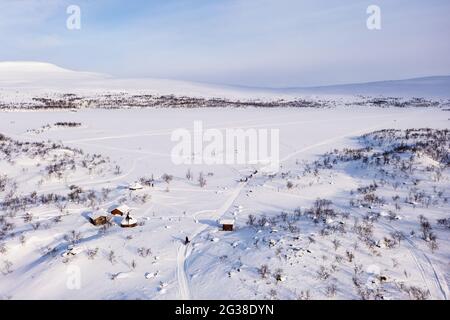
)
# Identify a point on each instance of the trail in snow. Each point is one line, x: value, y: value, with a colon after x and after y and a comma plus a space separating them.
x: 183, y: 285
x: 440, y: 287
x: 168, y: 131
x: 439, y: 278
x: 219, y: 126
x: 328, y: 141
x: 185, y: 250
x: 346, y: 135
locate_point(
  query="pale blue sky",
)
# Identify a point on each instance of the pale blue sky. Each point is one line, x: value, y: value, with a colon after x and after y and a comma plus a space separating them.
x: 249, y: 42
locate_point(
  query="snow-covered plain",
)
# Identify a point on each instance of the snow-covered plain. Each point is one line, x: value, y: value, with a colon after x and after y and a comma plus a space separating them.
x: 138, y: 141
x: 59, y: 168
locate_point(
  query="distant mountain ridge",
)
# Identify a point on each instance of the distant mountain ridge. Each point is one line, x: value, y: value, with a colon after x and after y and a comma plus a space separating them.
x: 23, y: 75
x: 433, y: 86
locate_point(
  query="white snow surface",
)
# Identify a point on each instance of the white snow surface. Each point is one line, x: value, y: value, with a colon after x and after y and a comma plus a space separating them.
x: 216, y: 264
x: 152, y: 261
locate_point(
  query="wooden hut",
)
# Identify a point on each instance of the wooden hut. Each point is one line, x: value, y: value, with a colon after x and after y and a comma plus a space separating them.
x: 99, y: 218
x: 121, y: 210
x: 227, y: 224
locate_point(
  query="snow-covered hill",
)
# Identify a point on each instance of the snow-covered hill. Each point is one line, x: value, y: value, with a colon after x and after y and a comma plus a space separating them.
x: 37, y: 78
x: 31, y: 79
x: 426, y: 87
x: 14, y: 73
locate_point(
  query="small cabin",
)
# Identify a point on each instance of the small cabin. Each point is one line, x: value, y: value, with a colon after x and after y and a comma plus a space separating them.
x: 128, y: 222
x: 121, y: 210
x: 135, y: 186
x: 227, y: 224
x: 98, y: 219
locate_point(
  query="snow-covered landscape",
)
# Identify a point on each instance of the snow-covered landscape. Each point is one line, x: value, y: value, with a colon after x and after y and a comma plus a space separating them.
x: 223, y: 158
x: 359, y: 208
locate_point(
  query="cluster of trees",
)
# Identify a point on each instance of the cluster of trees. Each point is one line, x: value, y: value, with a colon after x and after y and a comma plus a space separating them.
x: 4, y: 180
x: 148, y: 182
x: 172, y: 101
x: 12, y: 203
x: 10, y: 149
x: 320, y: 212
x: 401, y: 148
x: 427, y: 234
x: 58, y: 163
x: 124, y: 100
x: 397, y: 162
x: 64, y: 101
x: 58, y: 101
x: 444, y: 222
x: 67, y: 124
x: 201, y: 177
x: 64, y: 124
x: 425, y: 141
x: 397, y: 102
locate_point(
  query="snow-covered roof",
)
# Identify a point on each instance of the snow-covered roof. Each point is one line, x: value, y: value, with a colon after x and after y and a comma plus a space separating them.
x: 226, y: 221
x: 123, y: 208
x: 97, y: 214
x: 136, y: 185
x: 129, y: 221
